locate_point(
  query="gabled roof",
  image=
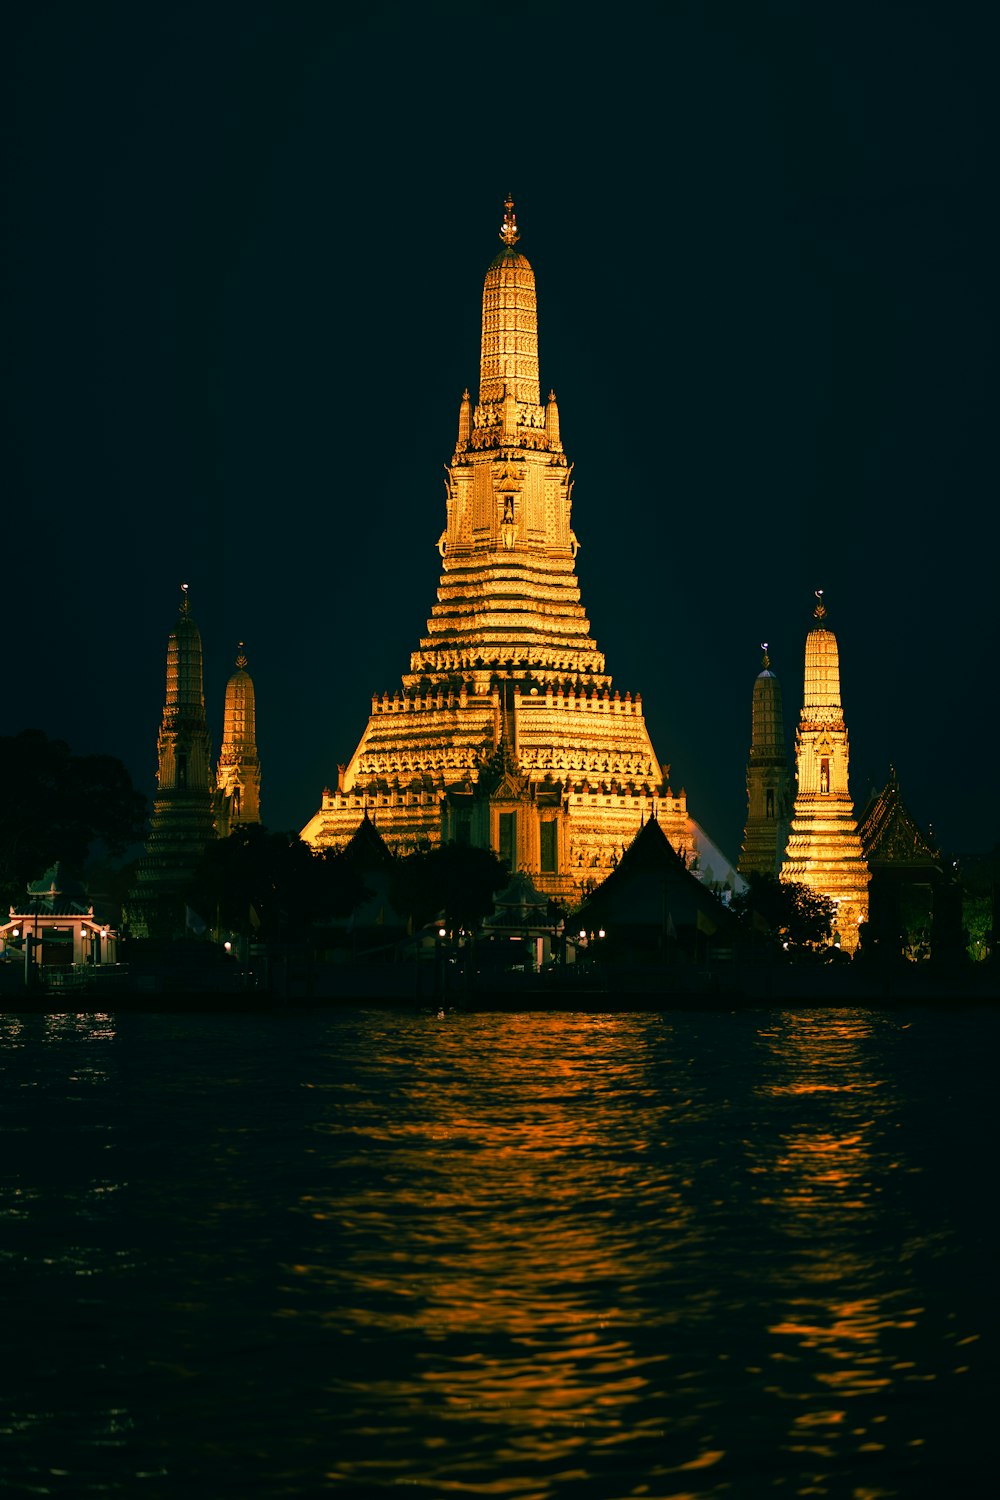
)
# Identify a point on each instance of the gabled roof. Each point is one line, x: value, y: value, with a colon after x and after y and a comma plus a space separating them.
x: 652, y: 886
x: 890, y: 835
x: 58, y: 884
x: 519, y: 905
x: 501, y: 777
x: 366, y: 849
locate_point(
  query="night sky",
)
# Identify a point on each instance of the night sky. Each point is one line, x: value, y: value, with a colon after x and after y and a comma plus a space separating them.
x: 245, y: 256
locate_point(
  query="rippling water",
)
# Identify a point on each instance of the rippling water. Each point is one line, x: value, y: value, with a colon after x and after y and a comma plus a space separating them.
x: 519, y: 1255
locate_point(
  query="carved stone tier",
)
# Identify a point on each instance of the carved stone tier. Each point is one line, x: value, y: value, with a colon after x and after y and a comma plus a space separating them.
x: 824, y: 847
x: 237, y: 798
x: 769, y: 799
x: 508, y: 668
x: 182, y: 823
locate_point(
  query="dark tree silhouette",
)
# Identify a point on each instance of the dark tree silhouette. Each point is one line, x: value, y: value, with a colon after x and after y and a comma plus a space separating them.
x: 785, y: 910
x: 54, y: 805
x: 288, y: 885
x: 453, y: 879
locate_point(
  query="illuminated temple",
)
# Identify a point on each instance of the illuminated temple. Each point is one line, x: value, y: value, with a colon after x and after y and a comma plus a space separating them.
x: 182, y: 823
x: 237, y: 776
x: 506, y: 732
x: 769, y: 798
x: 824, y: 849
x: 193, y: 803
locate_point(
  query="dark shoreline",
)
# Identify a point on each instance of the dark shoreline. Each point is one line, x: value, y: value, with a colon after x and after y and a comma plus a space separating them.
x: 638, y: 991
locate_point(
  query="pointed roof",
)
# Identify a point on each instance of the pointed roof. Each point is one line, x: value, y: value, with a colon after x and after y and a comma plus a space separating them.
x: 519, y: 905
x: 502, y: 776
x: 367, y: 850
x: 239, y: 731
x: 767, y: 736
x: 821, y: 691
x: 891, y: 835
x: 57, y: 882
x: 650, y: 885
x: 508, y: 363
x: 57, y: 893
x: 185, y: 690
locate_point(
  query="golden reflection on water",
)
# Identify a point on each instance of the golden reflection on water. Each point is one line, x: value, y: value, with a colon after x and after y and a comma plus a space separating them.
x: 495, y: 1243
x: 822, y: 1177
x: 532, y: 1256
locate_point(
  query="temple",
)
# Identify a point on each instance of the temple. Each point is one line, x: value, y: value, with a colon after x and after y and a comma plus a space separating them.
x: 505, y: 733
x: 769, y: 798
x: 182, y: 823
x: 238, y: 774
x: 824, y: 849
x: 915, y: 898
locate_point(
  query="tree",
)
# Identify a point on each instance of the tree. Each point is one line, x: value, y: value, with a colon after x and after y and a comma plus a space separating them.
x: 288, y: 884
x: 792, y: 913
x: 54, y: 805
x: 454, y: 879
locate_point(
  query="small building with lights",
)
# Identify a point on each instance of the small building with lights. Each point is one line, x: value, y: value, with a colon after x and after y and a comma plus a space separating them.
x: 57, y: 927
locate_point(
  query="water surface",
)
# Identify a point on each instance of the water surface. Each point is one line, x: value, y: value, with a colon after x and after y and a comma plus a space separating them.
x: 501, y: 1255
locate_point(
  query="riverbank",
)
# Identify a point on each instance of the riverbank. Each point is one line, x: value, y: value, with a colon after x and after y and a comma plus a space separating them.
x: 603, y: 988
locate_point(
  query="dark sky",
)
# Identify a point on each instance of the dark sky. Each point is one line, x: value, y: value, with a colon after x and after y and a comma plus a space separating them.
x: 245, y: 256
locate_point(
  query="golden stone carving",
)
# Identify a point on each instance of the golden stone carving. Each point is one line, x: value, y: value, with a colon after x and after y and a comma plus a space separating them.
x: 769, y: 800
x: 508, y: 658
x: 824, y: 847
x: 238, y: 772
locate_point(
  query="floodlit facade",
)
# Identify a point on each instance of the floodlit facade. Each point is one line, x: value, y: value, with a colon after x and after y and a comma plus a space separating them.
x: 506, y: 732
x: 824, y: 848
x: 238, y: 773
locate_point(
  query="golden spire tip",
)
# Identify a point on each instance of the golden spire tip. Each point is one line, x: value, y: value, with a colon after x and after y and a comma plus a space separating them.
x: 508, y: 232
x: 241, y: 660
x: 820, y: 610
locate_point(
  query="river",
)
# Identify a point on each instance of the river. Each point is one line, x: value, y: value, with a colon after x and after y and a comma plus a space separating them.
x: 528, y: 1255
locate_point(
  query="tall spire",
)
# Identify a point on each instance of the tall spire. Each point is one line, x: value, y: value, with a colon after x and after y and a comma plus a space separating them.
x: 238, y: 774
x: 183, y: 741
x: 769, y: 801
x: 821, y: 692
x: 185, y: 696
x: 508, y: 364
x: 181, y: 824
x: 824, y: 849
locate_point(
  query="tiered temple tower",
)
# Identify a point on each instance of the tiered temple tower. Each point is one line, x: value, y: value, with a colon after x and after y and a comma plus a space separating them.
x: 769, y: 796
x: 238, y: 774
x: 824, y: 850
x: 182, y: 821
x: 505, y: 732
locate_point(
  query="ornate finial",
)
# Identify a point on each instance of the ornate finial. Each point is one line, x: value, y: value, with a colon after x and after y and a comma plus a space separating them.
x: 241, y: 660
x: 509, y: 233
x: 185, y: 601
x: 820, y: 610
x: 767, y: 660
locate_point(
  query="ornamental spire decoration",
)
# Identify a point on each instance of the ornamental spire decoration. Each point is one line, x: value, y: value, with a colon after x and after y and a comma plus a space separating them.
x: 508, y: 232
x: 820, y: 610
